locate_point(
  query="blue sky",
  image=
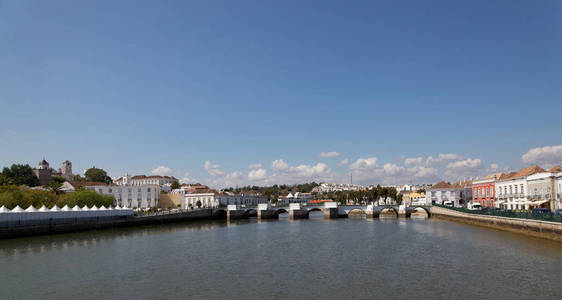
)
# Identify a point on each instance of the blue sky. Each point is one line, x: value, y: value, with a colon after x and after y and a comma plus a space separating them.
x: 137, y: 85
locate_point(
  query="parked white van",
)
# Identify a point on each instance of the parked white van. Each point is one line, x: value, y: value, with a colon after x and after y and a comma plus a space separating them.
x: 448, y: 203
x: 474, y: 206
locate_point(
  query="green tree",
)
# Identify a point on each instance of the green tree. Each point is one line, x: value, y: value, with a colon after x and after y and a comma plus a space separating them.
x: 83, y: 197
x: 175, y: 185
x: 19, y: 175
x: 56, y: 183
x: 97, y: 175
x: 198, y: 203
x: 11, y: 196
x: 77, y: 177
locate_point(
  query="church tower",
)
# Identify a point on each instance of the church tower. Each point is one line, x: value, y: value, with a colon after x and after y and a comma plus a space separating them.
x: 66, y: 170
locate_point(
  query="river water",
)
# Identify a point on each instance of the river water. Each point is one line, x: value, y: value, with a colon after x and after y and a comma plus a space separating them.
x: 315, y: 258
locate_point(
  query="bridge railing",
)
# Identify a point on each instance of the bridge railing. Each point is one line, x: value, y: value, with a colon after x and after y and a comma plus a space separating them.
x: 509, y: 214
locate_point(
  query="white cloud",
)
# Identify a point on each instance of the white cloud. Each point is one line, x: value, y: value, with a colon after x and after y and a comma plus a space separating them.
x: 442, y: 158
x: 279, y: 165
x: 463, y: 164
x: 161, y: 170
x: 343, y: 162
x: 285, y: 173
x: 257, y: 174
x: 255, y: 166
x: 464, y: 169
x: 235, y: 175
x: 425, y: 174
x: 547, y: 156
x: 213, y: 169
x: 329, y: 154
x: 364, y: 164
x: 392, y: 169
x: 494, y: 166
x: 187, y: 178
x: 410, y: 162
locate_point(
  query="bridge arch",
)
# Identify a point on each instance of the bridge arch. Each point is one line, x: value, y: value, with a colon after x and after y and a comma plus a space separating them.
x: 377, y: 212
x: 356, y: 211
x: 281, y: 211
x: 311, y: 210
x: 249, y: 210
x: 427, y: 211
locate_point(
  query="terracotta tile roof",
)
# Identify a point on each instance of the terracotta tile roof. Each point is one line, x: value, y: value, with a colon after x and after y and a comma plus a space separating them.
x: 456, y: 185
x: 556, y: 169
x: 441, y: 185
x: 528, y: 171
x: 507, y: 176
x: 495, y: 176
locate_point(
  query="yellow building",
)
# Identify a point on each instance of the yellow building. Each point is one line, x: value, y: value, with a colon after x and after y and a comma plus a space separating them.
x: 410, y: 197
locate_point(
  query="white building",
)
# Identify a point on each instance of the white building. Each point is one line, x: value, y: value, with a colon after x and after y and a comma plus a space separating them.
x: 165, y: 182
x: 558, y: 189
x: 512, y: 189
x: 138, y: 196
x: 295, y: 198
x: 214, y: 199
x: 542, y: 190
x: 459, y: 193
x: 337, y: 187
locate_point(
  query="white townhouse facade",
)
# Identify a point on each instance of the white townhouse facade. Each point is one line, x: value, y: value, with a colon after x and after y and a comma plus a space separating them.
x: 459, y: 193
x: 216, y: 199
x: 136, y: 197
x: 558, y: 189
x: 512, y: 193
x: 542, y: 190
x: 512, y: 189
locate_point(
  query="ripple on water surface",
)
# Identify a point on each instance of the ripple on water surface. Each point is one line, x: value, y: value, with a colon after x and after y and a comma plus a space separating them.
x: 315, y: 258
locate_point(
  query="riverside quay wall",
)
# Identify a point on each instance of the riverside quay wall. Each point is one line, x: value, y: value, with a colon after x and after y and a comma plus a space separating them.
x: 536, y: 228
x: 105, y: 223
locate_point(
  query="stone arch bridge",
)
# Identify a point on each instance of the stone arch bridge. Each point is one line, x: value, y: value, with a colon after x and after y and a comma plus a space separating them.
x: 330, y: 210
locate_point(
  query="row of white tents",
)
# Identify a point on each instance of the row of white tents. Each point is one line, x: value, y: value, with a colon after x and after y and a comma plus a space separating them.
x: 32, y: 214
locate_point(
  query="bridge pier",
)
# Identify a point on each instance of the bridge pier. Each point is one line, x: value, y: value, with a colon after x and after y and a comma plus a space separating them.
x: 268, y: 214
x: 295, y: 214
x: 236, y: 215
x: 330, y: 213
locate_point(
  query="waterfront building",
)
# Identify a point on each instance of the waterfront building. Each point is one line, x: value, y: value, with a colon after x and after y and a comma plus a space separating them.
x: 213, y: 199
x: 413, y: 198
x: 164, y: 182
x: 542, y: 193
x: 44, y: 172
x: 484, y: 190
x: 459, y: 194
x: 512, y: 190
x: 136, y: 197
x: 337, y: 187
x: 295, y: 198
x: 558, y: 188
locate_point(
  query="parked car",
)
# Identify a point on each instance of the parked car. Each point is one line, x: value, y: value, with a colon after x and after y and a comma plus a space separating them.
x: 474, y: 206
x: 448, y: 203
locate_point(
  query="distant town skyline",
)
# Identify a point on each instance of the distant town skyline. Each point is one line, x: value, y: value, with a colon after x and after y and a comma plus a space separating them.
x: 235, y: 93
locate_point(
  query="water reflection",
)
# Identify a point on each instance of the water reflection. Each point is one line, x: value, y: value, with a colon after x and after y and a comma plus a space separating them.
x: 306, y: 258
x: 88, y: 239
